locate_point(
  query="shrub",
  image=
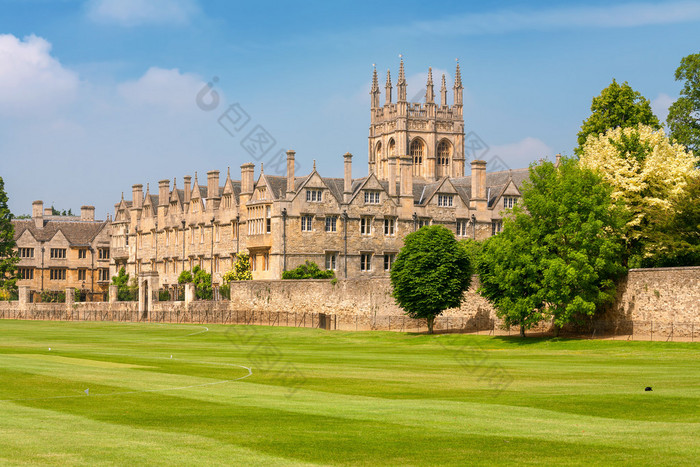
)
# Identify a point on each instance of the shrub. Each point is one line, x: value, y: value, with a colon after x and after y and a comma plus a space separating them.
x: 308, y: 270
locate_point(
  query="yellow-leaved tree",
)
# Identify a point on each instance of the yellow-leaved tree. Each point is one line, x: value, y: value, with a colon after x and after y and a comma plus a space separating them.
x: 647, y: 174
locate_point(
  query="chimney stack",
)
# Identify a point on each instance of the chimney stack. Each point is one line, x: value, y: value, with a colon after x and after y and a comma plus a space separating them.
x: 188, y: 189
x: 392, y: 175
x: 478, y: 185
x: 137, y: 196
x: 212, y: 184
x: 48, y: 211
x: 87, y: 213
x: 290, y: 171
x: 558, y: 162
x: 163, y: 192
x: 347, y: 185
x: 38, y: 214
x: 247, y: 182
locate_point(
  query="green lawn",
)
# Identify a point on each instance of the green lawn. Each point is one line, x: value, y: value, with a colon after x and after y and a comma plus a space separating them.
x: 284, y: 396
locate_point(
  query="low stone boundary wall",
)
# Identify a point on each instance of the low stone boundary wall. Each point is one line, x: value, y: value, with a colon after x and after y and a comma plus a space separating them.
x: 658, y: 303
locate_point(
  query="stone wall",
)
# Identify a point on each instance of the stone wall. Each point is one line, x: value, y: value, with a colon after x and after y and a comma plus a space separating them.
x: 651, y: 303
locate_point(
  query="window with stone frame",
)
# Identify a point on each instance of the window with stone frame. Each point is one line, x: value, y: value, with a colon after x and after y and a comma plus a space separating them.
x: 366, y: 225
x: 389, y: 226
x: 268, y: 219
x: 25, y: 273
x: 103, y: 274
x: 57, y: 274
x: 496, y: 227
x: 82, y: 274
x: 417, y: 150
x: 26, y: 252
x: 445, y: 201
x: 509, y: 202
x: 314, y: 195
x: 389, y: 260
x: 306, y: 223
x: 103, y: 253
x: 331, y: 223
x: 331, y: 260
x: 365, y: 262
x: 58, y: 253
x: 371, y: 197
x: 462, y: 227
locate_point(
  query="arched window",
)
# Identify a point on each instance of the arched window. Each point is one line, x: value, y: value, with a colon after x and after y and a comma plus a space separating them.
x: 444, y: 153
x: 392, y: 147
x: 417, y: 149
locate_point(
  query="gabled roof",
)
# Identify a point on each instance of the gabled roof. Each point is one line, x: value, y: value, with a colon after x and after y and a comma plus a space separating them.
x: 76, y: 232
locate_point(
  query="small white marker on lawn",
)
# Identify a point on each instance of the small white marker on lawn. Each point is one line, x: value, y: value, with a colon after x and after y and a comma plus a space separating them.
x: 49, y: 349
x: 171, y: 356
x: 87, y: 392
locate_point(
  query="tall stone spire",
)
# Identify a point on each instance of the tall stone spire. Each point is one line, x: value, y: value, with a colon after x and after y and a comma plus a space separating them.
x: 374, y: 92
x: 429, y: 89
x: 401, y: 85
x: 388, y: 87
x: 458, y: 87
x: 443, y: 92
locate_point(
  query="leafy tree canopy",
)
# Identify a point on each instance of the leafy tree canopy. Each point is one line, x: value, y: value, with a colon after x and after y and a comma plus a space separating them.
x: 201, y: 280
x: 559, y: 254
x: 308, y: 270
x: 684, y: 114
x: 8, y: 254
x: 125, y: 291
x: 647, y: 173
x: 431, y: 273
x: 618, y: 106
x: 240, y: 271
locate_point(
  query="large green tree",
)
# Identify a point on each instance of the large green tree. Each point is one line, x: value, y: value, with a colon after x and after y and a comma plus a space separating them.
x: 684, y: 114
x: 8, y: 254
x: 559, y: 253
x: 431, y: 273
x: 648, y: 175
x: 617, y: 106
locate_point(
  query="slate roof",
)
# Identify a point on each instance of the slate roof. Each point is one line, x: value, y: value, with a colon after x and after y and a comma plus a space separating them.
x: 76, y: 232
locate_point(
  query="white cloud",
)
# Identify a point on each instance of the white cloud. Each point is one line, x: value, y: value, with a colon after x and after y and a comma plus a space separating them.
x: 660, y: 106
x: 608, y: 16
x: 517, y: 155
x: 31, y: 80
x: 167, y: 89
x: 139, y: 12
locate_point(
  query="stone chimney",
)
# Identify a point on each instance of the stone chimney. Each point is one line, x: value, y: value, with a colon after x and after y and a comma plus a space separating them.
x: 406, y: 185
x: 38, y: 214
x: 392, y: 176
x: 347, y: 184
x: 137, y: 196
x: 478, y: 195
x: 247, y: 182
x: 48, y: 211
x: 87, y: 213
x: 163, y: 192
x: 188, y: 189
x: 290, y: 171
x: 213, y: 184
x: 558, y: 160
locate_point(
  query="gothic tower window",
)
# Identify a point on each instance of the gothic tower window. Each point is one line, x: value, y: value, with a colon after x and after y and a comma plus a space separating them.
x: 417, y: 151
x: 444, y: 152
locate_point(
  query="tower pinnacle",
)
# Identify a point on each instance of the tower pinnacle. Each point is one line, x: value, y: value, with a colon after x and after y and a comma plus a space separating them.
x: 443, y: 92
x: 429, y: 90
x: 388, y: 87
x: 401, y: 84
x: 458, y: 87
x: 374, y: 92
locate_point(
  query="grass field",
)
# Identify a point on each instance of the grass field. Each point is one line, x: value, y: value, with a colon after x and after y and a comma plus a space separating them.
x: 110, y: 393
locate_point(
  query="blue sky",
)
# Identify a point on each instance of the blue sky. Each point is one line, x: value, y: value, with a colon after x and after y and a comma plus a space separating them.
x: 98, y: 95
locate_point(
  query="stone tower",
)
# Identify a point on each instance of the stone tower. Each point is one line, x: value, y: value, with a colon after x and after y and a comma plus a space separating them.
x: 431, y: 134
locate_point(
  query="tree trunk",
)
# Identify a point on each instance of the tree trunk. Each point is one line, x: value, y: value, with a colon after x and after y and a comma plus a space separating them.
x: 522, y: 331
x: 431, y: 322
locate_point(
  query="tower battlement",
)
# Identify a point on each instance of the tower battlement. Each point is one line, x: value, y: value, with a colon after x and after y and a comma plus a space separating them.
x: 431, y: 133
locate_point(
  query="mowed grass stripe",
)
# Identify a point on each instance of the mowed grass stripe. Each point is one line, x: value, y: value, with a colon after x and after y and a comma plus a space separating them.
x: 387, y: 398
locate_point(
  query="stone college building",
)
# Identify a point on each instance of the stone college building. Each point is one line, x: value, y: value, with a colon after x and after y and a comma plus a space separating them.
x: 416, y: 177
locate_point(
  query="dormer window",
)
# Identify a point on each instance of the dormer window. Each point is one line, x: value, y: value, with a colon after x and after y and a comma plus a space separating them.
x: 314, y: 196
x: 509, y: 201
x: 445, y: 200
x: 371, y: 197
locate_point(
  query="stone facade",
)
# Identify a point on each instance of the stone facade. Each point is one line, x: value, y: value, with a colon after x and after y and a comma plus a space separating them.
x: 353, y: 226
x: 57, y: 252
